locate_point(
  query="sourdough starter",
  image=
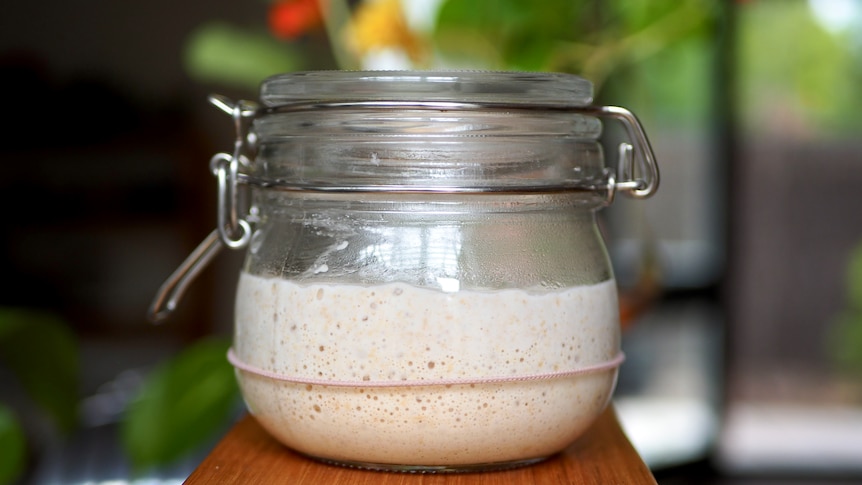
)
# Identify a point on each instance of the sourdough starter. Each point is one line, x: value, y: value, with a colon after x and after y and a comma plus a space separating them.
x: 440, y: 346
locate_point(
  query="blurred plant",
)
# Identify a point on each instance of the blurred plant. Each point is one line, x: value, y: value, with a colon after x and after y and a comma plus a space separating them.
x: 846, y: 341
x: 289, y: 20
x: 589, y: 37
x: 801, y: 73
x: 14, y: 446
x: 182, y: 404
x: 40, y: 352
x: 381, y: 25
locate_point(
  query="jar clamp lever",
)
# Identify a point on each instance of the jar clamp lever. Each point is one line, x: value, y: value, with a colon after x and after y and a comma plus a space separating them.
x: 629, y: 183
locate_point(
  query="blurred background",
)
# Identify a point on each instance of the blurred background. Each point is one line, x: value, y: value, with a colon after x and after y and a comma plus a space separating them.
x: 744, y: 366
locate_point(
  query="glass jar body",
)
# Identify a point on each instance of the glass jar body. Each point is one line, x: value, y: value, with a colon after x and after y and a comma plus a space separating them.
x: 433, y: 332
x: 425, y: 285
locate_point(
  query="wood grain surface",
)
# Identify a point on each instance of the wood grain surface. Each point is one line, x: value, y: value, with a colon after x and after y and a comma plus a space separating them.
x: 248, y: 455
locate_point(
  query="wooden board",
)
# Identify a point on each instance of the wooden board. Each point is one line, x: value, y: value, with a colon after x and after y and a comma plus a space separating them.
x: 248, y: 455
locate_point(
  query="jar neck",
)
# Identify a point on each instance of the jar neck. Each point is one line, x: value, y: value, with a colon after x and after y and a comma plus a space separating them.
x: 470, y: 150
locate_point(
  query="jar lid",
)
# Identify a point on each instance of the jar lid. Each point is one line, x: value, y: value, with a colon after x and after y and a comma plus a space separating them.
x: 518, y: 88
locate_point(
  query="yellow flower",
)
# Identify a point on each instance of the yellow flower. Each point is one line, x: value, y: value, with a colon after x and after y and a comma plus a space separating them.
x: 379, y: 25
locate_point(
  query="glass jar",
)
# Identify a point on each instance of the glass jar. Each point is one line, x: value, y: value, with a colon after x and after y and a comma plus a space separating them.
x: 425, y: 286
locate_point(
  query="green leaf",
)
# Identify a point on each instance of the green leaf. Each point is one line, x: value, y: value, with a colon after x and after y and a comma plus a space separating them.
x: 633, y: 15
x: 14, y: 455
x: 465, y: 32
x: 218, y: 52
x: 846, y: 342
x: 41, y: 352
x: 181, y: 405
x: 524, y: 32
x: 854, y: 279
x: 589, y: 37
x: 529, y: 53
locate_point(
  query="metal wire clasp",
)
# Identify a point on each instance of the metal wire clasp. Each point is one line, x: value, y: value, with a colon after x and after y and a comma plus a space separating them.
x: 232, y: 230
x: 638, y: 181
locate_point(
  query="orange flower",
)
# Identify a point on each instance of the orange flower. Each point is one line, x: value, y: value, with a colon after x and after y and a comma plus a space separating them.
x: 380, y: 24
x: 289, y: 19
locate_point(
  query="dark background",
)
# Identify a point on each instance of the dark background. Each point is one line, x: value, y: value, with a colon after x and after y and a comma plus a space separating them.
x: 106, y: 189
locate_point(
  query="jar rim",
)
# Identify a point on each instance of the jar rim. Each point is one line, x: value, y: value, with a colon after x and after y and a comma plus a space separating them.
x: 540, y: 89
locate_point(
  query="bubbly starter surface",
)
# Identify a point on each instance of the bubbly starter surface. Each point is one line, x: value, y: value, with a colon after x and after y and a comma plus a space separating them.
x: 441, y: 345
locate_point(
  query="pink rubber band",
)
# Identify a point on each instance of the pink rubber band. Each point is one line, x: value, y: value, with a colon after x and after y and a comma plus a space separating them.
x: 603, y: 366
